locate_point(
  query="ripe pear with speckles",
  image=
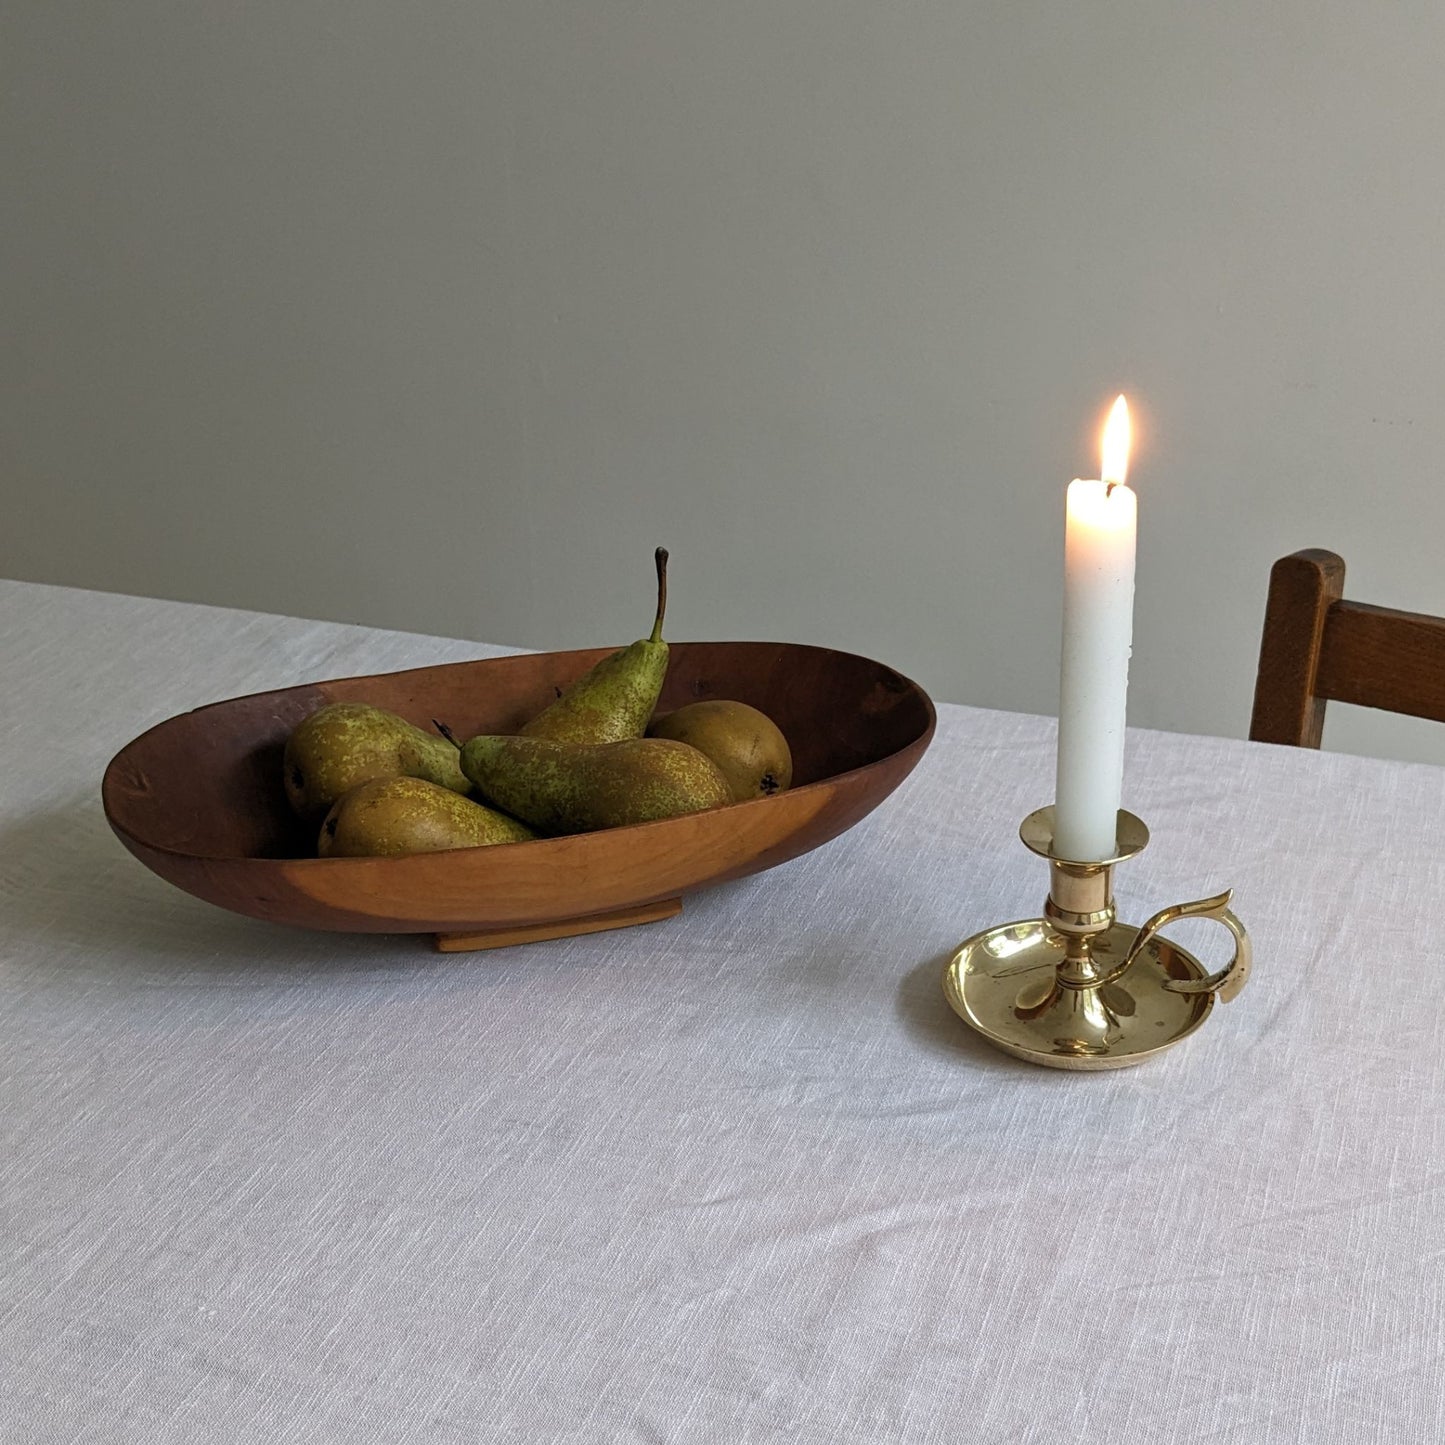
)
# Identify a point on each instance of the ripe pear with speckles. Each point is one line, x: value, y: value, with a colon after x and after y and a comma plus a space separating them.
x: 344, y: 744
x: 749, y: 749
x: 613, y: 701
x: 390, y: 817
x: 558, y: 787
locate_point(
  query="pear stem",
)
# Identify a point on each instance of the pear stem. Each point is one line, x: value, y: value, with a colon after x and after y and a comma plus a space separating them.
x: 447, y: 733
x: 660, y: 556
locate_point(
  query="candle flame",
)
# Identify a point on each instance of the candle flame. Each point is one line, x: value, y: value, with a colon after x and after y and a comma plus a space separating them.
x: 1116, y: 444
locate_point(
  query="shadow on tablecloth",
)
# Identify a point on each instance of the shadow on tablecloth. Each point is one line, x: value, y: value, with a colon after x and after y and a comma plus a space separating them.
x: 925, y: 1012
x: 68, y: 888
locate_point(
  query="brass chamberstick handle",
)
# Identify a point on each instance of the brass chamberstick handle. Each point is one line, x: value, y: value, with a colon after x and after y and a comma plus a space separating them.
x: 1229, y: 980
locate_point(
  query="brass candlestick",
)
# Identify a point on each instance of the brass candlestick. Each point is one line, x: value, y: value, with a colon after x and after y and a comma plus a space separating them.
x: 1076, y: 989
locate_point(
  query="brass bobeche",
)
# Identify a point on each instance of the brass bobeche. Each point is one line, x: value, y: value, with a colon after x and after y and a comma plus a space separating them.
x: 1077, y: 989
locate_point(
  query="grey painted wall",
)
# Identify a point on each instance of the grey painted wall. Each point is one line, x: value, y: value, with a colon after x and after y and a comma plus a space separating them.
x: 440, y: 315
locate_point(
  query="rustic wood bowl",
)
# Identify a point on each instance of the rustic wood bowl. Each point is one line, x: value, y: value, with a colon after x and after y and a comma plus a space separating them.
x: 199, y: 799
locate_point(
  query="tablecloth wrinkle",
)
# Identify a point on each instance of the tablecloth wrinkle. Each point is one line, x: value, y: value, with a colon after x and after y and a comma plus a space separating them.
x: 739, y: 1176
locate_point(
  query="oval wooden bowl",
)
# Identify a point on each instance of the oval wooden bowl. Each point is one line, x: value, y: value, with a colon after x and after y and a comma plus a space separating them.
x: 199, y: 800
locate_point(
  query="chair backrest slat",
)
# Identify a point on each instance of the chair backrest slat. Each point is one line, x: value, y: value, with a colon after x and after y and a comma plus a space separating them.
x: 1378, y: 657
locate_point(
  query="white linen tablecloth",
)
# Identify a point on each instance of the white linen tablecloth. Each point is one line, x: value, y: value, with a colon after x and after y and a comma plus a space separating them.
x: 740, y: 1176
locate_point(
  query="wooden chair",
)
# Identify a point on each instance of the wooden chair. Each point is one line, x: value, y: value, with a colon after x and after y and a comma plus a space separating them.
x: 1317, y: 647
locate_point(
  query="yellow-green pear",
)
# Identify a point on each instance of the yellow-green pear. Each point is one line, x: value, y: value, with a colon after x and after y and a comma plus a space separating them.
x: 582, y: 787
x: 746, y: 745
x: 345, y: 744
x: 614, y: 700
x: 392, y: 816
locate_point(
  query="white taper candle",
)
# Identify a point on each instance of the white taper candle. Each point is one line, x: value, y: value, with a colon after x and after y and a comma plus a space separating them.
x: 1099, y: 542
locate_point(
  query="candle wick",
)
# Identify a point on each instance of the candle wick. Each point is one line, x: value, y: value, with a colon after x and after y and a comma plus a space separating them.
x: 1109, y: 488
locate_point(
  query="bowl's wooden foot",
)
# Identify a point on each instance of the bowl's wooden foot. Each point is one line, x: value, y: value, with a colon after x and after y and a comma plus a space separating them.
x: 562, y: 928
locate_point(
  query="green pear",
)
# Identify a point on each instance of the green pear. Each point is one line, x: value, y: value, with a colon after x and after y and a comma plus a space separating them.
x: 746, y: 745
x: 615, y: 699
x: 391, y: 816
x: 582, y: 787
x: 345, y: 744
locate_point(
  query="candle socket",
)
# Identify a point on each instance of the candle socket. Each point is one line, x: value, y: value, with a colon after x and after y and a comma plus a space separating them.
x: 1077, y: 989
